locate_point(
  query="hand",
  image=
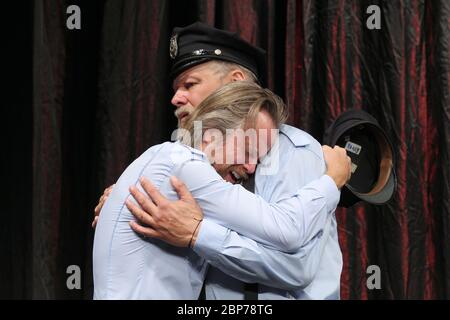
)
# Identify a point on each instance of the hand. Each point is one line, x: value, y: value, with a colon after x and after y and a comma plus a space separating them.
x: 339, y: 165
x: 100, y: 204
x: 175, y: 222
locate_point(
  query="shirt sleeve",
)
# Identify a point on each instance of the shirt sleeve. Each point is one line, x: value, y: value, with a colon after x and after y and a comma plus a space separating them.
x: 277, y: 225
x: 238, y: 209
x: 250, y: 261
x: 302, y: 174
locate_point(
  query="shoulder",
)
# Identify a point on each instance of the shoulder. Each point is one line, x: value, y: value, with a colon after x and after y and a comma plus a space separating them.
x: 161, y: 161
x: 299, y: 140
x: 167, y: 157
x: 179, y: 153
x: 189, y: 162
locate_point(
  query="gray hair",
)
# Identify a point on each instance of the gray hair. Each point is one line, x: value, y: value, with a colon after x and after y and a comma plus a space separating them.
x: 225, y: 67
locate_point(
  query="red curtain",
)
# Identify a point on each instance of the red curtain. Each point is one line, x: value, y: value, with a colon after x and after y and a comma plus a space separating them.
x: 100, y: 96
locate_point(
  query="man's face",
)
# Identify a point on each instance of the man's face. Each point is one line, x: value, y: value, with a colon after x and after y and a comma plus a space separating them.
x: 193, y: 86
x: 241, y: 155
x: 234, y: 161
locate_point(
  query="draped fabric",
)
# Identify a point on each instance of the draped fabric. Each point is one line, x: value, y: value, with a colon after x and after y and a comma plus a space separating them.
x: 83, y: 104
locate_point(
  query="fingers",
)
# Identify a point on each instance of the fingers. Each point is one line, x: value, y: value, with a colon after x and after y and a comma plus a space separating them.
x: 343, y: 153
x: 140, y: 214
x: 145, y: 231
x: 98, y: 208
x: 181, y: 189
x: 328, y: 151
x: 338, y: 164
x: 145, y: 202
x: 100, y: 204
x: 102, y: 200
x: 340, y: 150
x: 349, y: 168
x: 152, y: 192
x: 94, y: 223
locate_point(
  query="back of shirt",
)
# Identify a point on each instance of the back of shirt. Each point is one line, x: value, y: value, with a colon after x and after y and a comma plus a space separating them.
x: 128, y: 266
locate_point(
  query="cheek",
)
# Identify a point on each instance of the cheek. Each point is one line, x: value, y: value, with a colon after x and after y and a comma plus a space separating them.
x: 217, y: 154
x: 201, y: 92
x: 231, y: 152
x: 265, y: 143
x: 221, y: 169
x: 204, y: 89
x: 195, y: 99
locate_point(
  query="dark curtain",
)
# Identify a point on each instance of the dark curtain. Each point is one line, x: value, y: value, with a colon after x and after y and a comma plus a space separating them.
x: 82, y: 104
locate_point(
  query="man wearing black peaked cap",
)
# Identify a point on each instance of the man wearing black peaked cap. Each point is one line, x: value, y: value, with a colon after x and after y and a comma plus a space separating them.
x: 199, y: 43
x: 204, y: 59
x: 373, y: 169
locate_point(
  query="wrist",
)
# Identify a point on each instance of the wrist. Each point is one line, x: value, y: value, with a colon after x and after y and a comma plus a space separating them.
x: 195, y: 234
x: 338, y: 182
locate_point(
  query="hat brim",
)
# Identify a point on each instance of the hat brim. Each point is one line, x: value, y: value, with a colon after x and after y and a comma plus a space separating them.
x: 191, y: 61
x: 383, y: 191
x: 385, y: 188
x: 381, y: 197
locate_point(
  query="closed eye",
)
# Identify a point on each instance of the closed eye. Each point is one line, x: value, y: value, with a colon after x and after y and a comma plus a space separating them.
x: 188, y: 85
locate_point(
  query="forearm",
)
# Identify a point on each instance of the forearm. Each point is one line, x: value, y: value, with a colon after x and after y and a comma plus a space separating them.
x: 238, y: 209
x: 282, y: 225
x: 249, y: 261
x: 251, y: 216
x: 285, y: 225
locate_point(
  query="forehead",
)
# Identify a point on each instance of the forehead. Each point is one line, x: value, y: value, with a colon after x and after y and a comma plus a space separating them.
x: 263, y: 124
x: 199, y: 71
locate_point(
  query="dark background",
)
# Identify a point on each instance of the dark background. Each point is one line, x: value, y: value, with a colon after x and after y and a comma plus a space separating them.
x: 79, y: 105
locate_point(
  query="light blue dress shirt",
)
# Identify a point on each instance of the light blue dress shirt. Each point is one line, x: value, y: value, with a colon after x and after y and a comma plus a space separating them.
x: 127, y: 266
x: 313, y: 272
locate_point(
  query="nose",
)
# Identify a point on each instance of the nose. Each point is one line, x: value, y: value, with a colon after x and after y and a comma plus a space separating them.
x: 179, y: 99
x: 250, y: 168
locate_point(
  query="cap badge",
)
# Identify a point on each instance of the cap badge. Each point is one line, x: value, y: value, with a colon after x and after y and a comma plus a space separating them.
x: 199, y: 52
x: 173, y: 46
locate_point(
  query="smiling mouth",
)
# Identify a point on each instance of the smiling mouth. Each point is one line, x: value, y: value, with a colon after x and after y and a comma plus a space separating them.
x: 236, y: 178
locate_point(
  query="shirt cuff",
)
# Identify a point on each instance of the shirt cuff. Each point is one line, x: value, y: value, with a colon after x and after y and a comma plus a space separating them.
x: 210, y: 239
x: 332, y: 193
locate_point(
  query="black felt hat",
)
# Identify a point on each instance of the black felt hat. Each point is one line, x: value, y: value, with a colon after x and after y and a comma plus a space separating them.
x: 199, y: 43
x: 373, y: 175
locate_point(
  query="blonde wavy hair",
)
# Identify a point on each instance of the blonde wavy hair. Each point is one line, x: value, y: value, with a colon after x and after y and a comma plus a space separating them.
x: 234, y: 106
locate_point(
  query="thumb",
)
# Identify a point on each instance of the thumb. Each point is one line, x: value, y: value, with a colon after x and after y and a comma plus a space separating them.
x: 181, y: 189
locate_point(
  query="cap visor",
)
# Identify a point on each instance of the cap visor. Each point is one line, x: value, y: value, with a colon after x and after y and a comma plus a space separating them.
x: 381, y: 197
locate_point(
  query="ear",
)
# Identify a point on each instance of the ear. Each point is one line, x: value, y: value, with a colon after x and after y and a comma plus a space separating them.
x: 206, y: 137
x: 237, y: 75
x: 206, y: 141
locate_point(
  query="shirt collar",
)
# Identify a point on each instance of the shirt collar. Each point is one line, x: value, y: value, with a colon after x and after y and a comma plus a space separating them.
x: 298, y: 137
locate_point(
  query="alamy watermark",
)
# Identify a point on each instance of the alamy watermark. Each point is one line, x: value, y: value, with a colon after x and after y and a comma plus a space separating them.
x: 74, y: 279
x: 374, y: 280
x: 73, y: 21
x: 374, y: 20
